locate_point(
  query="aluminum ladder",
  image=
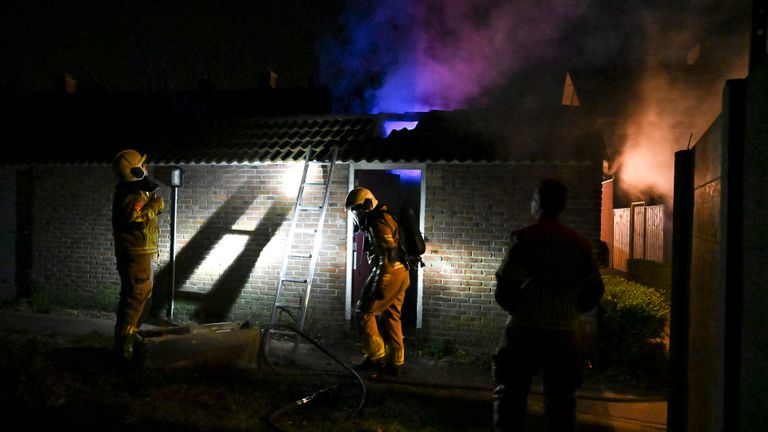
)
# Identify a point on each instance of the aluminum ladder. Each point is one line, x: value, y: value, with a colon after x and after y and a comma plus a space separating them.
x: 301, y: 251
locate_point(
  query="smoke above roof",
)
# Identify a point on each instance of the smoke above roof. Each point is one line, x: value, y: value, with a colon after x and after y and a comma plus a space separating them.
x: 649, y: 72
x: 406, y: 56
x: 687, y: 55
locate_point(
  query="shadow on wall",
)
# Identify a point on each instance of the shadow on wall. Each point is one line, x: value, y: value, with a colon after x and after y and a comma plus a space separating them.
x: 216, y: 304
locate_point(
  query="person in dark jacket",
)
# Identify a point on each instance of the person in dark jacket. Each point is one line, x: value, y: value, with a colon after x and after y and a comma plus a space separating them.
x: 135, y: 231
x: 384, y: 291
x: 549, y: 277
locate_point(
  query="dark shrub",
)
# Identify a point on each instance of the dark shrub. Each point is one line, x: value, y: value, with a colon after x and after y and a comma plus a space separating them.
x: 652, y: 274
x: 632, y: 323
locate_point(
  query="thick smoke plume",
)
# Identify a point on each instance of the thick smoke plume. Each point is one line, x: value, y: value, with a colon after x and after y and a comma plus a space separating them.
x: 404, y: 55
x: 687, y: 59
x: 417, y: 55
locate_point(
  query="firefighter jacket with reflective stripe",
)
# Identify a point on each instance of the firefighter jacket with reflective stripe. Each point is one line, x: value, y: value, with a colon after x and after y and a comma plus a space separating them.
x: 134, y: 223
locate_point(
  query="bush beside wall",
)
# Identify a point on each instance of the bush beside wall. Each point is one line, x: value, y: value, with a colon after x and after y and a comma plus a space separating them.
x: 632, y: 321
x: 652, y: 274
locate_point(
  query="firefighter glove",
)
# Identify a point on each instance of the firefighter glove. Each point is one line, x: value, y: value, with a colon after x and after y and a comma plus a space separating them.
x: 156, y: 203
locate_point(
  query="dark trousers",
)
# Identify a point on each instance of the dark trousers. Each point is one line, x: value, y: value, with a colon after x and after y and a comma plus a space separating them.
x: 524, y: 352
x: 136, y: 280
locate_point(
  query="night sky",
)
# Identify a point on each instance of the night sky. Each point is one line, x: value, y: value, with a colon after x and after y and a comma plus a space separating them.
x: 133, y: 45
x: 448, y: 53
x: 653, y: 69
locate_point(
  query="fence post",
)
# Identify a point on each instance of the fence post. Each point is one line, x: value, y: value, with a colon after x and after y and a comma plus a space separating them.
x: 682, y: 222
x: 632, y: 229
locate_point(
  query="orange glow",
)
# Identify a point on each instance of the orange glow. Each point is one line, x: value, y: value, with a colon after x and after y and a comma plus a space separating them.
x: 678, y: 99
x: 665, y: 118
x: 647, y: 164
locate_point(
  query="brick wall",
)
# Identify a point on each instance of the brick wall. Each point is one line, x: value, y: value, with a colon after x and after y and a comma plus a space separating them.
x: 470, y: 212
x: 8, y: 234
x: 231, y: 226
x: 232, y: 223
x: 72, y: 255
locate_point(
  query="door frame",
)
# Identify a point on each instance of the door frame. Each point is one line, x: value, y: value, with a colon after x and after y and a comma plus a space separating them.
x: 350, y: 233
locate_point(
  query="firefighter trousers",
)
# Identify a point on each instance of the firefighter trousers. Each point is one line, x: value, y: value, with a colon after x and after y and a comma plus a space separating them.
x: 136, y: 281
x: 384, y: 301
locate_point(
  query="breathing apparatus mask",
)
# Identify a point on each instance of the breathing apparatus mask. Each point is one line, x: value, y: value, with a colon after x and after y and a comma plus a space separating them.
x: 359, y: 202
x: 359, y: 218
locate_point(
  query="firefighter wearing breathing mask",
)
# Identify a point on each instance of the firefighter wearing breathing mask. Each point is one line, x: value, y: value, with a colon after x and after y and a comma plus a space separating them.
x: 135, y: 210
x: 384, y: 292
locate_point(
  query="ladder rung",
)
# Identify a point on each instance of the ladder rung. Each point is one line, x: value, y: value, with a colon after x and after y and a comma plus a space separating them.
x: 294, y: 280
x: 307, y: 208
x: 240, y: 231
x: 305, y: 256
x: 297, y: 310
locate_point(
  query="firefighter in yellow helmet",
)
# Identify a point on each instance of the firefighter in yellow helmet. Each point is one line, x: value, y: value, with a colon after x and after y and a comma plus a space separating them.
x: 135, y: 210
x: 384, y: 291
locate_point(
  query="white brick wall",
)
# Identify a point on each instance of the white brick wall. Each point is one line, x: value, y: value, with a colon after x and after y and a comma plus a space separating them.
x: 234, y: 220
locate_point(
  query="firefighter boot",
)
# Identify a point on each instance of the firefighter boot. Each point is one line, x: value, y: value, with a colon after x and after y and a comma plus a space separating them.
x: 123, y: 343
x: 395, y: 359
x: 373, y: 349
x: 369, y: 365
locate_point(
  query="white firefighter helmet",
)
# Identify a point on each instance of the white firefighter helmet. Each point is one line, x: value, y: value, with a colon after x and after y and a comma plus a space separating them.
x: 358, y: 196
x: 129, y: 165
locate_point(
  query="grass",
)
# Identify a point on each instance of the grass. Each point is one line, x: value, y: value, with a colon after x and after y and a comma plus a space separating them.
x: 74, y: 382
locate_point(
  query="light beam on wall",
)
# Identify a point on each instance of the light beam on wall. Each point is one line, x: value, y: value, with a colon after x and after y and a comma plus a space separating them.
x: 291, y: 179
x: 222, y: 255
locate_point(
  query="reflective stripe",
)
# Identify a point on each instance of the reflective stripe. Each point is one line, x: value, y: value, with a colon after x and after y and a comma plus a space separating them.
x: 374, y: 348
x: 395, y: 356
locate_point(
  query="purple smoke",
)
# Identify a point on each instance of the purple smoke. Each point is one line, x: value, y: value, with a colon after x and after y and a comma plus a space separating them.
x: 410, y: 56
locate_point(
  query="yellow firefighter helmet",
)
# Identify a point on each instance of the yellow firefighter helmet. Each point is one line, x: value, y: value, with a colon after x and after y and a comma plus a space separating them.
x: 129, y: 165
x: 358, y: 196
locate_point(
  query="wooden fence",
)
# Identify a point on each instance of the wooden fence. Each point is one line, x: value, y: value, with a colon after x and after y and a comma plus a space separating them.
x: 639, y: 229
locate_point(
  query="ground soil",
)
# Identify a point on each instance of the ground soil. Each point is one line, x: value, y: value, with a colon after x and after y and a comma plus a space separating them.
x: 75, y: 382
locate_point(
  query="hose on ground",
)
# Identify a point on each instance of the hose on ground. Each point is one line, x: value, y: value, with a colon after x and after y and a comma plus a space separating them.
x: 322, y: 392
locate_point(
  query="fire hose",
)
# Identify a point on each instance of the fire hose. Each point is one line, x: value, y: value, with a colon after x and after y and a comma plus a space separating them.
x: 318, y: 394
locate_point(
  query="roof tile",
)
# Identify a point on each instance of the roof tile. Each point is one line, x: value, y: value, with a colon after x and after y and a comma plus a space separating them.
x: 92, y: 134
